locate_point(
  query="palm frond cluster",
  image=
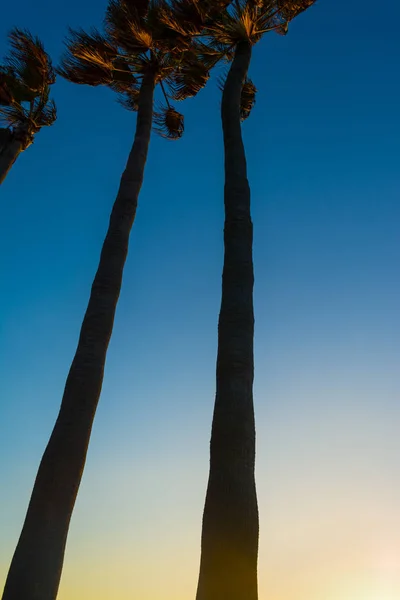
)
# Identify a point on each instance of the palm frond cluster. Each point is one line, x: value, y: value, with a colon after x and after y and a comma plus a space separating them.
x: 245, y: 21
x: 25, y: 79
x: 218, y: 32
x: 181, y: 40
x: 137, y: 36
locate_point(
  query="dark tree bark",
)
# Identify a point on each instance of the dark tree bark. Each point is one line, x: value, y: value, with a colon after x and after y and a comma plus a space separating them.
x: 229, y: 546
x: 36, y: 567
x: 11, y: 147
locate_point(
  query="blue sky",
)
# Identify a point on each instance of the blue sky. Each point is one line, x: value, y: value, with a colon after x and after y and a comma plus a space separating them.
x: 323, y: 149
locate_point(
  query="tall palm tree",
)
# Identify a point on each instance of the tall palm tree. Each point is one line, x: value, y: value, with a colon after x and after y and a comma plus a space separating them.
x: 229, y: 546
x: 25, y: 79
x: 138, y: 50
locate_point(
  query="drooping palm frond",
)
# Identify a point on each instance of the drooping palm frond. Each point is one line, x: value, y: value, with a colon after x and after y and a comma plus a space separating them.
x: 194, y: 15
x: 122, y: 77
x: 168, y: 35
x: 212, y: 52
x: 88, y: 58
x: 124, y: 26
x: 6, y: 97
x: 42, y: 112
x: 27, y: 69
x: 13, y: 116
x: 15, y: 87
x: 168, y: 122
x: 282, y: 29
x: 210, y: 9
x: 45, y: 116
x: 188, y: 80
x: 290, y: 9
x: 129, y: 99
x: 138, y: 8
x: 182, y: 16
x: 28, y: 60
x: 25, y: 79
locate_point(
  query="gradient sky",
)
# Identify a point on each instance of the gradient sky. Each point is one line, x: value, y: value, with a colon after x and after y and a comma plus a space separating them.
x: 323, y: 154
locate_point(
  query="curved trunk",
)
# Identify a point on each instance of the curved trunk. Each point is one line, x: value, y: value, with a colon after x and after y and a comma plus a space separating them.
x: 9, y: 152
x: 229, y: 545
x: 37, y: 563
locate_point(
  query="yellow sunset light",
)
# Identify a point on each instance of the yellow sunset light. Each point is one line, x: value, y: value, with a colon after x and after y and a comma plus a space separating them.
x: 364, y: 592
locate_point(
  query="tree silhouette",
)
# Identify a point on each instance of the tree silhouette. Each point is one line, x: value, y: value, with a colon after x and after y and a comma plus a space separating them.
x: 25, y: 106
x: 229, y: 548
x: 138, y: 50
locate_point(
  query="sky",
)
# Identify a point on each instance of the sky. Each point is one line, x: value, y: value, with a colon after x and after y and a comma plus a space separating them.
x: 323, y: 148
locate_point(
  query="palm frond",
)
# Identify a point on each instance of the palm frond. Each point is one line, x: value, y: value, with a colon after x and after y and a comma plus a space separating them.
x: 197, y: 14
x: 168, y: 34
x: 13, y: 116
x: 241, y: 23
x: 43, y: 113
x: 25, y: 80
x: 129, y: 99
x: 138, y: 8
x: 122, y: 77
x: 282, y: 29
x: 6, y: 97
x: 183, y: 16
x: 17, y: 90
x: 250, y: 19
x: 289, y: 9
x: 168, y: 123
x: 187, y: 81
x: 210, y: 9
x: 88, y: 58
x: 124, y: 26
x: 211, y: 52
x: 28, y: 60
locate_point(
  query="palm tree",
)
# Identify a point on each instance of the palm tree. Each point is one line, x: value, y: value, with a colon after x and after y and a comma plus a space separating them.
x: 229, y: 546
x: 138, y: 50
x: 25, y: 107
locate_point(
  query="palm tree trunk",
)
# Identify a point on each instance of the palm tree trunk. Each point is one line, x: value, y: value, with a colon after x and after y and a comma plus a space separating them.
x: 37, y: 563
x: 229, y: 545
x: 9, y: 152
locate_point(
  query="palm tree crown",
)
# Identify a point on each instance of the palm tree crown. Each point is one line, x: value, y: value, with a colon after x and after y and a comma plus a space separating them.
x: 25, y: 79
x: 247, y: 21
x: 140, y: 35
x: 218, y: 27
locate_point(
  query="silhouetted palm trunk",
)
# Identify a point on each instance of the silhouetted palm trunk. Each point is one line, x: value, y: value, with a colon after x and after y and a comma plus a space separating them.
x: 37, y: 563
x: 11, y: 147
x: 229, y: 548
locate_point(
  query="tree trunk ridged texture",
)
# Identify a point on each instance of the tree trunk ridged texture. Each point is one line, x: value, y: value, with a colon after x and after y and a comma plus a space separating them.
x: 10, y: 148
x: 229, y: 545
x: 36, y: 566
